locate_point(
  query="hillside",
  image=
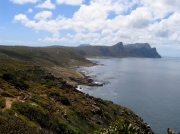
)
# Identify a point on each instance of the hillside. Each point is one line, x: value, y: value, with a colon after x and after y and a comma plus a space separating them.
x: 55, y: 59
x: 119, y: 50
x: 48, y: 56
x: 35, y: 96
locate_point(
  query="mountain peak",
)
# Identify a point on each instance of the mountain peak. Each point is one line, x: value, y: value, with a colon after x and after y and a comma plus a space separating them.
x: 118, y: 46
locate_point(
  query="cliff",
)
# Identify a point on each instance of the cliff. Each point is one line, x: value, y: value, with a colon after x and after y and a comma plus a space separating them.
x: 141, y: 50
x: 119, y: 50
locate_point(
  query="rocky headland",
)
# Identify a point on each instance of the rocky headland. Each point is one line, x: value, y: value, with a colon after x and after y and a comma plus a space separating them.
x: 118, y: 50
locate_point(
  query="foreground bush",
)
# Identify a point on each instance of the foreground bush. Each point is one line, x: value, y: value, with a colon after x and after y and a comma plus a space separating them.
x: 170, y: 131
x: 64, y: 100
x: 2, y: 103
x: 121, y: 127
x: 9, y: 124
x: 18, y: 83
x: 45, y: 119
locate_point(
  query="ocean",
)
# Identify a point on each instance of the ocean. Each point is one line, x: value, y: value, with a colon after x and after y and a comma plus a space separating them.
x: 149, y: 87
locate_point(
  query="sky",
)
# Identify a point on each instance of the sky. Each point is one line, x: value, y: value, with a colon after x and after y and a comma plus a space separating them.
x: 95, y: 22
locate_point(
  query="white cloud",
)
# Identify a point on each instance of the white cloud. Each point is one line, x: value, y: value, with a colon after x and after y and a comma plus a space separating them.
x: 70, y: 2
x: 161, y: 8
x: 140, y: 18
x: 43, y: 15
x: 24, y: 1
x: 47, y: 4
x: 21, y: 17
x: 48, y: 39
x: 164, y: 33
x: 29, y: 10
x: 106, y: 32
x: 90, y: 13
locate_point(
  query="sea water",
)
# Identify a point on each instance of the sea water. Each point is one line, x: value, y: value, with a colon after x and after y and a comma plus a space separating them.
x: 149, y: 87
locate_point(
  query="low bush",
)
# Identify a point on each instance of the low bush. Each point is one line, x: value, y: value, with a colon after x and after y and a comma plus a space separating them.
x: 2, y: 102
x: 43, y: 118
x: 39, y: 100
x: 18, y: 83
x: 9, y: 112
x: 122, y: 127
x: 4, y: 85
x: 63, y: 99
x: 14, y: 92
x: 7, y: 94
x: 10, y: 124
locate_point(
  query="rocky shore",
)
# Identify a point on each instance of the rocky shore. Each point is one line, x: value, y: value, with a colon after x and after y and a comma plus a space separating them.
x: 86, y: 80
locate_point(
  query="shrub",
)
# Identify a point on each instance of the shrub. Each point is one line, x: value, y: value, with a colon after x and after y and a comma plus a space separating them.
x: 10, y: 124
x: 4, y: 85
x: 43, y: 118
x: 14, y: 92
x: 9, y: 112
x: 8, y: 77
x: 121, y: 127
x: 34, y: 113
x: 6, y: 94
x: 2, y: 102
x: 63, y: 99
x: 39, y: 100
x: 54, y: 95
x: 44, y: 103
x: 18, y: 83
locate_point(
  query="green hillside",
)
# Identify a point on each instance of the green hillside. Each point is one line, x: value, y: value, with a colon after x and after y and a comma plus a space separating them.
x: 36, y: 97
x: 55, y: 59
x: 47, y: 56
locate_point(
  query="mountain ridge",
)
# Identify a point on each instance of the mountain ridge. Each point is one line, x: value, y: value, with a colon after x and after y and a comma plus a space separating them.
x: 119, y: 51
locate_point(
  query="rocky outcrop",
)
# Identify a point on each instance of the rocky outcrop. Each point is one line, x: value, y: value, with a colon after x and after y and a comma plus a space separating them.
x: 86, y: 80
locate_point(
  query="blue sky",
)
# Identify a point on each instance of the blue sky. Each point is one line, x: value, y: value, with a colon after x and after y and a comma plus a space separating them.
x: 95, y: 22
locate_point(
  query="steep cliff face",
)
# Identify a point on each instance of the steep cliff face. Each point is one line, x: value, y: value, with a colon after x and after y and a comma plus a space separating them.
x: 119, y: 50
x: 141, y: 50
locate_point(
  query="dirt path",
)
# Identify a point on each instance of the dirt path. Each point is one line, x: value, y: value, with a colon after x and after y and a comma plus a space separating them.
x: 9, y: 101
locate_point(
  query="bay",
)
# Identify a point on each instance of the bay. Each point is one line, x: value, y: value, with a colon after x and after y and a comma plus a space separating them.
x: 149, y: 87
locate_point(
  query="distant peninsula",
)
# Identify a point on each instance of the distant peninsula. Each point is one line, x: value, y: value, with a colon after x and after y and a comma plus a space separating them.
x: 118, y: 50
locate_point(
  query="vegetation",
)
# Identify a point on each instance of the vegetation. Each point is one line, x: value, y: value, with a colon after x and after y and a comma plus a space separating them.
x: 35, y: 96
x: 2, y: 103
x: 170, y: 131
x: 121, y: 127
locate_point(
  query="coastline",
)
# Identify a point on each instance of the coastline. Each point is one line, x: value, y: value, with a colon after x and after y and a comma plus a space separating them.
x: 85, y: 80
x: 88, y: 81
